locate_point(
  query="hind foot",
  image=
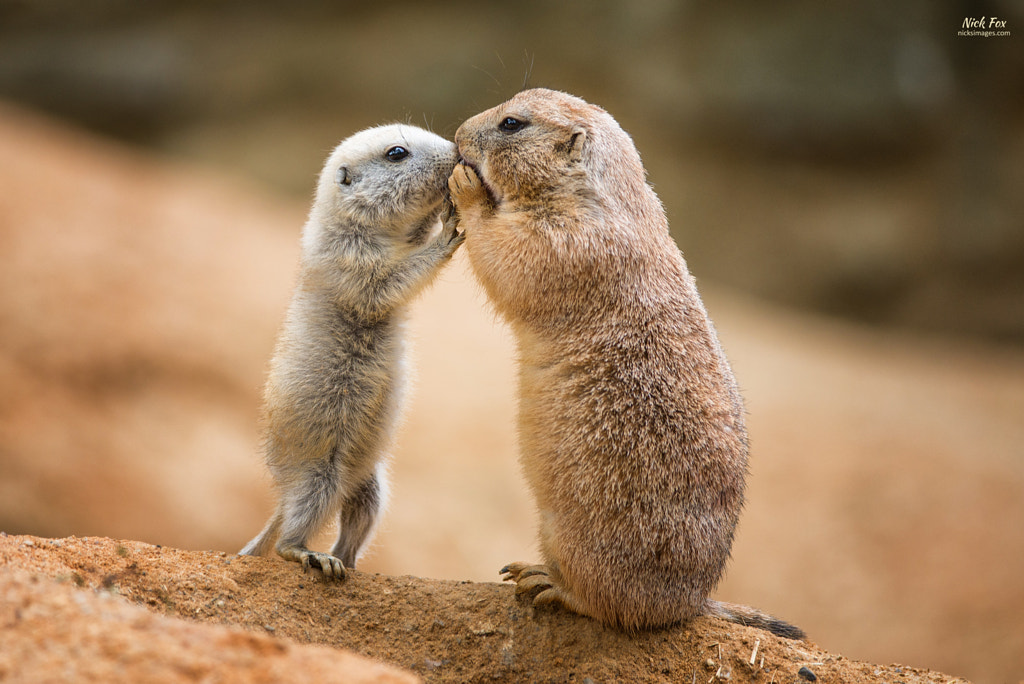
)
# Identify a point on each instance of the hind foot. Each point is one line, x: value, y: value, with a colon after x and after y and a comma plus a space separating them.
x: 329, y: 565
x: 539, y: 582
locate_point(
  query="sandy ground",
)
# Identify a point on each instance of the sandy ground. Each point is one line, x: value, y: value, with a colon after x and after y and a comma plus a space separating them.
x: 138, y: 305
x: 52, y: 631
x: 67, y: 616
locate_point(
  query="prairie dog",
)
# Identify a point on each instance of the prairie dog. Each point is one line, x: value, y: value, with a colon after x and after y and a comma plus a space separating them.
x: 334, y: 390
x: 631, y: 427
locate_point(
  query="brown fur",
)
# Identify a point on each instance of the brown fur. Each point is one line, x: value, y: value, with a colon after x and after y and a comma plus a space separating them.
x: 631, y: 426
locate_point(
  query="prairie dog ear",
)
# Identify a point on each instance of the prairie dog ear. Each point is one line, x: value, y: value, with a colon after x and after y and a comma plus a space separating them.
x: 576, y: 142
x: 343, y: 177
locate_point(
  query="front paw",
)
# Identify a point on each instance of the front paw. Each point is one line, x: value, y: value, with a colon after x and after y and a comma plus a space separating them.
x: 450, y: 218
x: 449, y: 239
x: 465, y: 187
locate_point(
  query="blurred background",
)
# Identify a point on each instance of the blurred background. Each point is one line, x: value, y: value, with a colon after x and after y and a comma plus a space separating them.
x: 844, y: 182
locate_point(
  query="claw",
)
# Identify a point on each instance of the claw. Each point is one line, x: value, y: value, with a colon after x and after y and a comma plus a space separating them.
x: 331, y: 567
x: 520, y: 570
x: 515, y: 568
x: 529, y: 577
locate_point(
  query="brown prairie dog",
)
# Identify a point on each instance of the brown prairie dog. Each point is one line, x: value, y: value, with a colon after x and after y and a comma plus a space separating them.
x: 335, y: 386
x: 631, y: 428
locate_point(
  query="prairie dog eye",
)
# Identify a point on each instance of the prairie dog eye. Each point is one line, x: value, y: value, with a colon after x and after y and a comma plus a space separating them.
x: 511, y: 124
x: 396, y: 153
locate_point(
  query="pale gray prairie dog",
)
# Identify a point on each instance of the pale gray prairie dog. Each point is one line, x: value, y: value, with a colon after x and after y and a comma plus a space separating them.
x: 335, y: 385
x: 631, y: 426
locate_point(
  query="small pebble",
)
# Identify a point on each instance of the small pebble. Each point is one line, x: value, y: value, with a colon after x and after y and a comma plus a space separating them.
x: 807, y: 674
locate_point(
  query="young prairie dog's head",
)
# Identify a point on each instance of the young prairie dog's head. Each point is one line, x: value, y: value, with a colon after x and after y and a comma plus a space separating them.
x: 389, y: 179
x: 544, y: 145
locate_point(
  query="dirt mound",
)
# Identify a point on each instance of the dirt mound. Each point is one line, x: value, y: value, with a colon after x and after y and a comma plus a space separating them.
x: 67, y: 614
x: 50, y: 631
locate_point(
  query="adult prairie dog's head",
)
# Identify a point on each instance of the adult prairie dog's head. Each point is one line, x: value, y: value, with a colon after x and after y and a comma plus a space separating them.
x: 387, y: 180
x: 567, y: 222
x: 545, y: 147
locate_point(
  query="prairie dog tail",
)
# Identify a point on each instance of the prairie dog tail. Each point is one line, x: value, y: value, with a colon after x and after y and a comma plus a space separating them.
x: 264, y: 541
x: 752, y: 617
